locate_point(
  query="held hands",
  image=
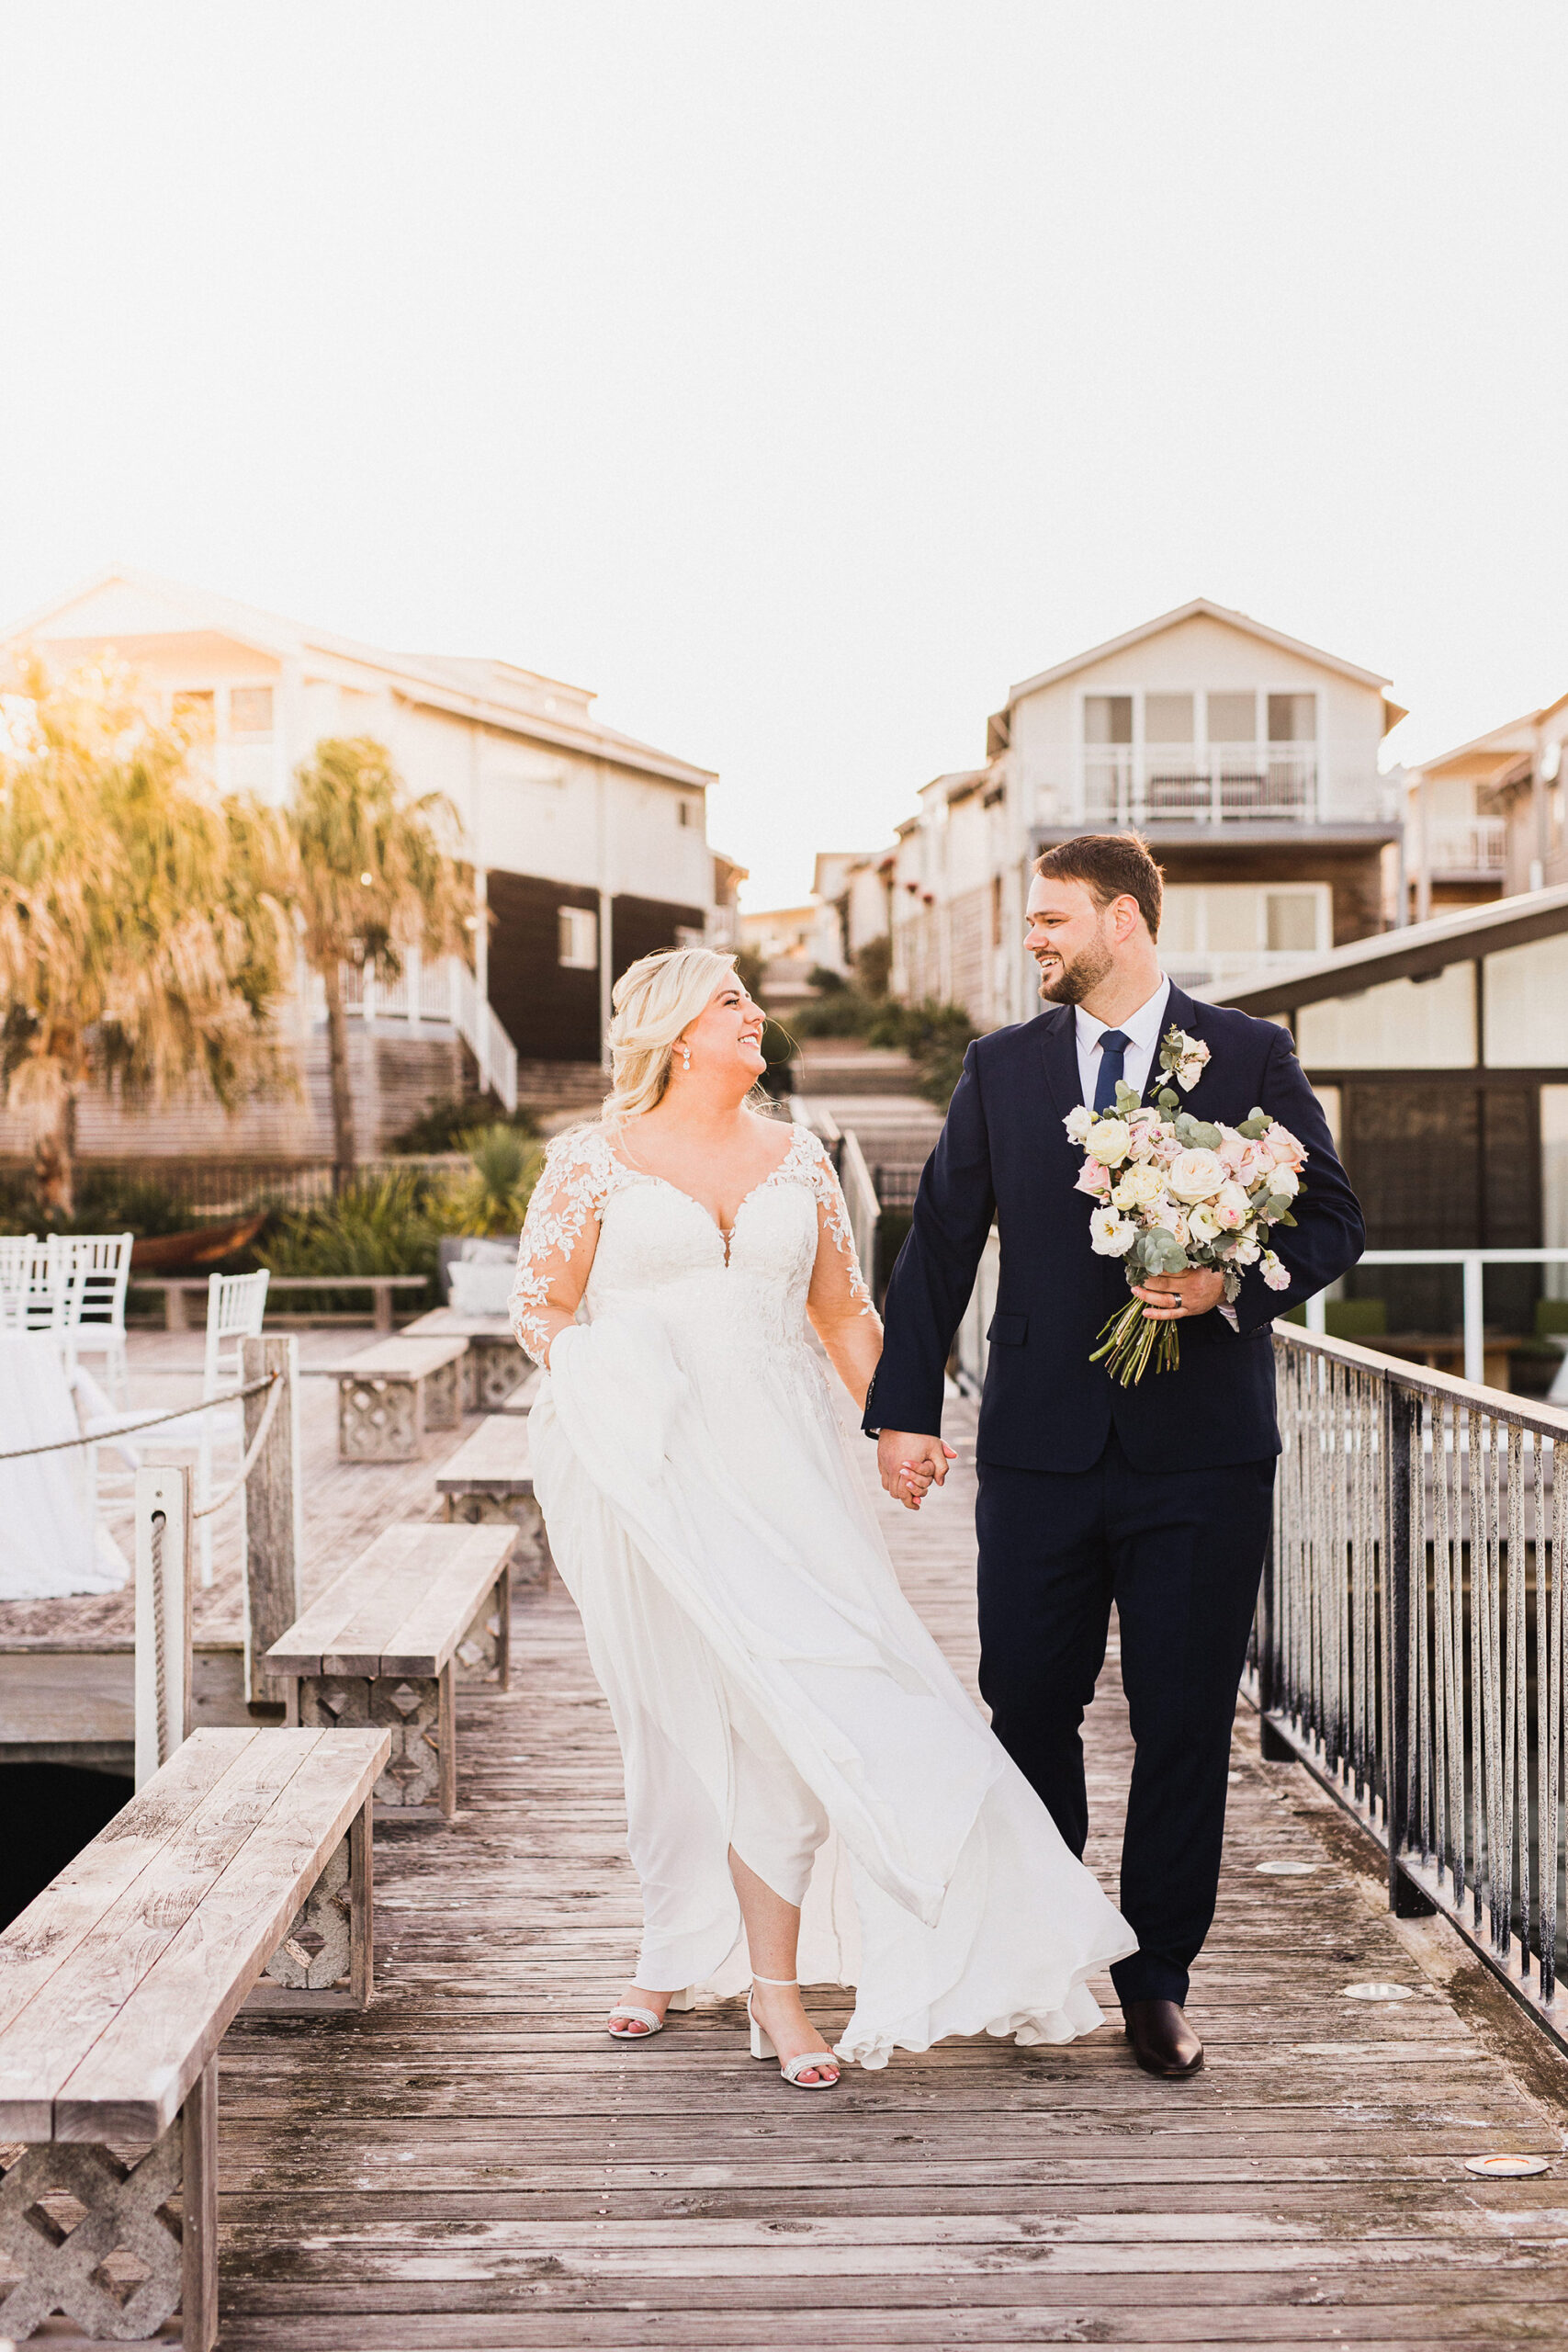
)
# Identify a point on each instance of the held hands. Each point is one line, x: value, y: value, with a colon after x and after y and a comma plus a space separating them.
x: 908, y: 1464
x: 1167, y: 1298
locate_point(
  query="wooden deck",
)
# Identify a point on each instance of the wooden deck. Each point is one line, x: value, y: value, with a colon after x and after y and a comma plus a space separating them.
x: 476, y: 2164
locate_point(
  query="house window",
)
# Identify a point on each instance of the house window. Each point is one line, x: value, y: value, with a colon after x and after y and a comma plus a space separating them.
x: 1293, y: 718
x: 250, y: 711
x: 685, y: 812
x: 1167, y: 719
x: 194, y: 712
x: 578, y: 933
x: 1233, y: 718
x: 1291, y: 922
x: 1108, y: 718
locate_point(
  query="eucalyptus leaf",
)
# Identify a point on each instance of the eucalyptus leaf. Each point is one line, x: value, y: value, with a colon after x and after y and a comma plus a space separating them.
x: 1206, y: 1137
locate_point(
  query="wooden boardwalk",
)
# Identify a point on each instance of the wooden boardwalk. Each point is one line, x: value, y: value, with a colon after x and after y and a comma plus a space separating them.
x: 474, y: 2164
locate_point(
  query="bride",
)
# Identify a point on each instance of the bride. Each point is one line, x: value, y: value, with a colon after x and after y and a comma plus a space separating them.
x: 800, y: 1760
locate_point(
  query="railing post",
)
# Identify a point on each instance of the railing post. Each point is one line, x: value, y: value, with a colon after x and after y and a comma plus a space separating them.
x: 163, y: 1677
x: 1406, y: 1899
x: 1474, y: 1322
x: 273, y: 1510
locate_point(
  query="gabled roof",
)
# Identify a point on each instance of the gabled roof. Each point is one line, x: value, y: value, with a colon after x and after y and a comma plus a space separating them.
x: 1415, y: 951
x: 496, y: 693
x: 1514, y: 737
x: 1199, y: 608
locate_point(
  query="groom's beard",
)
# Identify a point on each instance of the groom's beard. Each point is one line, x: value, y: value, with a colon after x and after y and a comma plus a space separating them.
x: 1063, y: 983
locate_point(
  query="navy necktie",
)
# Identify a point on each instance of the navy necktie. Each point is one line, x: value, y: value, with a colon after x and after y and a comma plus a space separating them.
x: 1114, y: 1045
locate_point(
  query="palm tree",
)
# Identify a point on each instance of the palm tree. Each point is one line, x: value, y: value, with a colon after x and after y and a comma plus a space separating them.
x: 370, y: 880
x: 142, y: 938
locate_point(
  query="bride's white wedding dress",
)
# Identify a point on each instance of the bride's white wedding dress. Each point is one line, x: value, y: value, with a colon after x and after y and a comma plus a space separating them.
x: 772, y: 1687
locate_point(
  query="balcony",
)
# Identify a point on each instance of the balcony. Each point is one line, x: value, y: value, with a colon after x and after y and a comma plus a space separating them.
x: 440, y: 993
x: 1261, y: 792
x: 1471, y: 849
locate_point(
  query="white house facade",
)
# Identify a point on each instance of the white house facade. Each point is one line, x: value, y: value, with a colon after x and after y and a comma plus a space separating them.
x: 589, y: 848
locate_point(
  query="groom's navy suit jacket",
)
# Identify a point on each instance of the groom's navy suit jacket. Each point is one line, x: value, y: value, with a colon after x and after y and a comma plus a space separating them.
x: 1004, y: 1152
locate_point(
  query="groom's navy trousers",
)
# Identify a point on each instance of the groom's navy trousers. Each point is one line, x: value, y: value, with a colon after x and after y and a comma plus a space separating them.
x: 1178, y: 1552
x: 1155, y: 1497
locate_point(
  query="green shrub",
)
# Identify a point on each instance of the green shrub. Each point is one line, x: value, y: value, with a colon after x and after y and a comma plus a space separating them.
x: 873, y: 966
x: 844, y: 1013
x: 825, y: 980
x: 491, y: 1194
x: 377, y: 1225
x: 445, y: 1126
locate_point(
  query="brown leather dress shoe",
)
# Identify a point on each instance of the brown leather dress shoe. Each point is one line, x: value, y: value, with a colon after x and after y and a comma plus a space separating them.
x: 1163, y: 2043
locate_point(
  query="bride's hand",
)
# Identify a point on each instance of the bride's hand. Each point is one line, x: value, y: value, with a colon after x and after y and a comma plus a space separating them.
x: 907, y: 1463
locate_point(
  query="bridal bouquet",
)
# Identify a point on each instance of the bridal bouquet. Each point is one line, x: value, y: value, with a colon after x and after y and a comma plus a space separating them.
x: 1174, y: 1192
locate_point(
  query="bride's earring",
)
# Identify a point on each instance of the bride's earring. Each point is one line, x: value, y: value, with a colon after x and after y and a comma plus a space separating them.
x: 685, y: 1055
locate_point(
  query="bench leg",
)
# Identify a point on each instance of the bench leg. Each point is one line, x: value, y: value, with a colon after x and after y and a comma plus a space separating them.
x: 484, y: 1654
x: 446, y: 1740
x: 444, y: 1396
x: 362, y: 1938
x: 411, y: 1708
x: 71, y: 2268
x: 497, y: 1369
x: 198, y: 2215
x: 379, y: 1419
x: 317, y: 1951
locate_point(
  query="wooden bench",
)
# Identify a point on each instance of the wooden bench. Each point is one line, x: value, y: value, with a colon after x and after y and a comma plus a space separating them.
x: 177, y: 1288
x: 390, y: 1395
x: 494, y: 1365
x: 490, y: 1480
x: 247, y: 1856
x: 523, y: 1398
x: 385, y: 1642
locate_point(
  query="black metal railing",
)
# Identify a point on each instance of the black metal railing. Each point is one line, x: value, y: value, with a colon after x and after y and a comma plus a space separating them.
x: 1409, y: 1639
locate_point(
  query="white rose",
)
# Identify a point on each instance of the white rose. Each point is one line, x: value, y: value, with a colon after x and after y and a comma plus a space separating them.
x: 1108, y: 1237
x: 1247, y: 1250
x: 1202, y: 1224
x: 1140, y: 1187
x: 1187, y: 1074
x: 1107, y: 1141
x: 1283, y: 1184
x: 1197, y: 1175
x: 1078, y: 1121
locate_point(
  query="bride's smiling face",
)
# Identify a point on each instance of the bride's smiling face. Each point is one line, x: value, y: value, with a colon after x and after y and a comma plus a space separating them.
x: 727, y: 1035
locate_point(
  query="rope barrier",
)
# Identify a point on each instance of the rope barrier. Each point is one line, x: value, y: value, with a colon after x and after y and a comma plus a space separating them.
x: 152, y: 1421
x: 160, y: 1671
x: 249, y: 1463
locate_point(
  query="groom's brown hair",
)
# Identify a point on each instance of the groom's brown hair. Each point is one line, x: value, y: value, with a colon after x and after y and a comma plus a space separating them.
x: 1110, y: 866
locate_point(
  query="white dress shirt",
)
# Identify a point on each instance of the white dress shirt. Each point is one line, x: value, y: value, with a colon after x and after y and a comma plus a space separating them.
x: 1143, y: 1031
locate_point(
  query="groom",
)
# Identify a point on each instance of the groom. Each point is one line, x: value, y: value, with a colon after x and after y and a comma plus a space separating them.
x: 1157, y: 1497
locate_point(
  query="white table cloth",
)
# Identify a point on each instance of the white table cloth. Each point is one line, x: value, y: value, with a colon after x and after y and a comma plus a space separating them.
x: 50, y: 1544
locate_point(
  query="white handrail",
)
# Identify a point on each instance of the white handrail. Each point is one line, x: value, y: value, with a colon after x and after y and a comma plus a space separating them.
x: 859, y: 1199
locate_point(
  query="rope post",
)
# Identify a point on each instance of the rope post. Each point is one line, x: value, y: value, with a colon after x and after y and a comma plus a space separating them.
x: 163, y: 1616
x: 274, y: 1519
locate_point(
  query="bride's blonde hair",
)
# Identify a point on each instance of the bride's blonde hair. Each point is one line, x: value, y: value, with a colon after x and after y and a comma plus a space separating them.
x: 654, y: 1000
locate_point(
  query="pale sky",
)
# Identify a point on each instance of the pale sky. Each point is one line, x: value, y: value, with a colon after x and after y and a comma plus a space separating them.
x: 798, y: 376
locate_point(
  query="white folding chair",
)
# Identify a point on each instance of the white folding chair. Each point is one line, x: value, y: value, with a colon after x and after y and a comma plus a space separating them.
x: 15, y: 1251
x: 99, y: 1275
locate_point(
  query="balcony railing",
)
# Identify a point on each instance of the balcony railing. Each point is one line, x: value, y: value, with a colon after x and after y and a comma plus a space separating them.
x: 1164, y: 784
x: 1461, y: 845
x: 443, y: 993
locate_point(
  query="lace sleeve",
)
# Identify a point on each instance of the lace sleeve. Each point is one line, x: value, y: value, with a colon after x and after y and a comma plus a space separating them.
x: 840, y: 1275
x: 573, y: 1187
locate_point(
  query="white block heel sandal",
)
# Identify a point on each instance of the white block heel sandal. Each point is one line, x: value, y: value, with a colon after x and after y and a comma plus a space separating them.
x: 650, y: 2019
x: 810, y: 2061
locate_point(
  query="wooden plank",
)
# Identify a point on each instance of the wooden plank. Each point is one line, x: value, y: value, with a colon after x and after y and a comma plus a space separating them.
x: 146, y: 2056
x: 462, y: 1565
x: 43, y: 1938
x: 346, y: 1622
x: 495, y: 1461
x: 198, y: 2215
x: 44, y: 2043
x: 446, y: 1323
x: 396, y: 1359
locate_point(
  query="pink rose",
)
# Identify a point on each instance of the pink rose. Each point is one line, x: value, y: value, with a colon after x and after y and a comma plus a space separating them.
x: 1234, y: 1149
x: 1283, y: 1148
x: 1094, y: 1178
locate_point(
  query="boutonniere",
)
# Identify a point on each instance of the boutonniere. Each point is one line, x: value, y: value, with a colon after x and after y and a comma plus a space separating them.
x: 1183, y: 1057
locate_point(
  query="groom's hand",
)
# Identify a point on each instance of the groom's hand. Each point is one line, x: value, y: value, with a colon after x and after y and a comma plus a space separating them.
x: 1167, y: 1297
x: 907, y: 1463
